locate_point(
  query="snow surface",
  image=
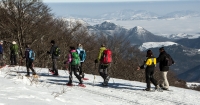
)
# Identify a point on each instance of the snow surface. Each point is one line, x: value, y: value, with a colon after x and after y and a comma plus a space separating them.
x: 148, y: 45
x: 16, y: 89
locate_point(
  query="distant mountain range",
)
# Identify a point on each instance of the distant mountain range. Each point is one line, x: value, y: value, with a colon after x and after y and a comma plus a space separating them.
x: 139, y: 15
x: 136, y: 35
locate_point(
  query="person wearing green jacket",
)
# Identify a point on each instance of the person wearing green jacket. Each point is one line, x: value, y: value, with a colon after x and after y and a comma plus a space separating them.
x: 13, y: 53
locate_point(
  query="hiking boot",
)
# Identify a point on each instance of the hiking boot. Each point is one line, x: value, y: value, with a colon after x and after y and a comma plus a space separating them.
x: 147, y: 89
x: 104, y: 84
x: 27, y: 75
x: 157, y: 87
x: 165, y: 88
x: 82, y: 85
x: 161, y: 85
x: 55, y: 74
x: 69, y: 84
x: 34, y: 73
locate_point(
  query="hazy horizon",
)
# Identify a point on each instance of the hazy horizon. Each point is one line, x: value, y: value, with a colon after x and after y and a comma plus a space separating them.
x: 93, y: 9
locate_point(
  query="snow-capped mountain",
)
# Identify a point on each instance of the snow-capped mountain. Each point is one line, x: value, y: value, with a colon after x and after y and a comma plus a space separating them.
x: 148, y: 45
x: 179, y: 36
x: 125, y: 15
x: 139, y: 35
x: 180, y: 14
x: 128, y: 15
x: 107, y: 28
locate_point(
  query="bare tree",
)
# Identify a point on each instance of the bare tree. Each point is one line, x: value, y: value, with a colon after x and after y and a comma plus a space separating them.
x: 20, y: 20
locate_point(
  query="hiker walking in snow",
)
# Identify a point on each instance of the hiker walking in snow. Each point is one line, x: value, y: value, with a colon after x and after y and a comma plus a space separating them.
x: 13, y: 53
x: 149, y: 66
x: 82, y: 55
x: 73, y: 62
x: 1, y: 54
x: 29, y: 56
x: 164, y: 68
x: 103, y: 65
x: 54, y: 57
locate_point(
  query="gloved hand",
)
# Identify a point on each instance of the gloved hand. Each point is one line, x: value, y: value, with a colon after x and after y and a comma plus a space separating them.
x: 96, y: 61
x: 65, y: 62
x: 48, y: 52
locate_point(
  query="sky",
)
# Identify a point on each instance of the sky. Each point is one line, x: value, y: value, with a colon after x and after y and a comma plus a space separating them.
x: 92, y: 9
x: 16, y: 89
x: 104, y: 0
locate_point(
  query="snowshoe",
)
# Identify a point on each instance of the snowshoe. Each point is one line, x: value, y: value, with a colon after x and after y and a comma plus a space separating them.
x: 106, y: 81
x: 69, y: 84
x: 104, y: 84
x: 85, y: 78
x: 81, y: 85
x: 2, y: 66
x: 51, y: 71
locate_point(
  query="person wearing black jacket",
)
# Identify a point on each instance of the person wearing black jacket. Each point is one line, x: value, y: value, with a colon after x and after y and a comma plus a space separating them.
x: 149, y: 66
x: 54, y: 57
x: 163, y: 68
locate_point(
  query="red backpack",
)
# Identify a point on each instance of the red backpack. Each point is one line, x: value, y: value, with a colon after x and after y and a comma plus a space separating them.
x: 107, y: 57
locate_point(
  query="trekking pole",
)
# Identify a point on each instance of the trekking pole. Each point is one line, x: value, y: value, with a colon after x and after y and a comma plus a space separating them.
x: 108, y: 72
x: 94, y: 75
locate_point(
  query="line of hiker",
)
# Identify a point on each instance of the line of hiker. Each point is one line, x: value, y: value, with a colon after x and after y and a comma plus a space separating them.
x: 76, y: 58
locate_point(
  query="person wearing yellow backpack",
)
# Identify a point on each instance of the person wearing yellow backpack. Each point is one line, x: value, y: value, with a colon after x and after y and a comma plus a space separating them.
x: 149, y: 66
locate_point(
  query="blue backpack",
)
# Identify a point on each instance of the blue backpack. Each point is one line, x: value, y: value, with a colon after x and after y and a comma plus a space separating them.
x: 82, y: 54
x: 32, y: 54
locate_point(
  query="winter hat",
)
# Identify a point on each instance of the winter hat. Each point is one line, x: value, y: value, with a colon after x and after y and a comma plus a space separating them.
x: 14, y: 42
x: 162, y: 49
x: 102, y: 45
x: 72, y: 48
x: 149, y: 53
x: 52, y: 41
x: 27, y: 46
x: 79, y: 45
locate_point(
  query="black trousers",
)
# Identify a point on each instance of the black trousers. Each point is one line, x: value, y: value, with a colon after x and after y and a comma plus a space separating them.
x: 1, y: 60
x: 13, y: 59
x: 149, y: 71
x: 29, y: 65
x: 74, y: 68
x: 80, y: 69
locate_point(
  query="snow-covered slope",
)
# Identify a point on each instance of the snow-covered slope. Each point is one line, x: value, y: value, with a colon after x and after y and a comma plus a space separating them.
x: 149, y: 45
x: 16, y: 89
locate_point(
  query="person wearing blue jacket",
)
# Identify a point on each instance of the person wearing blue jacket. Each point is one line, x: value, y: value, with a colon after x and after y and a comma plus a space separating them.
x: 82, y: 55
x: 1, y: 54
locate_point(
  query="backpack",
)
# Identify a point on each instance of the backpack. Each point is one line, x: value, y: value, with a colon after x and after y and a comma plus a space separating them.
x: 75, y: 58
x: 107, y: 57
x: 32, y: 54
x: 82, y: 55
x: 168, y: 61
x: 57, y: 51
x: 151, y: 62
